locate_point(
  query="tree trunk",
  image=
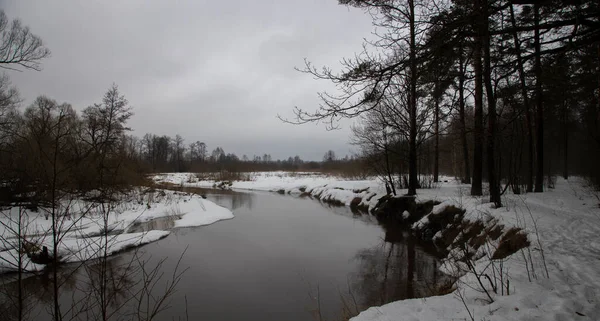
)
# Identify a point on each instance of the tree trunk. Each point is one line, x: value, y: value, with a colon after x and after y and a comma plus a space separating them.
x: 436, y: 157
x: 539, y: 177
x: 526, y: 104
x: 388, y: 168
x: 20, y: 266
x: 565, y: 141
x: 491, y: 100
x: 476, y: 185
x: 412, y: 105
x: 55, y: 234
x: 410, y: 268
x: 463, y: 123
x: 597, y: 133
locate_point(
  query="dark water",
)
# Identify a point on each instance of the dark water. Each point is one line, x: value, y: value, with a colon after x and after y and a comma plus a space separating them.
x: 280, y: 258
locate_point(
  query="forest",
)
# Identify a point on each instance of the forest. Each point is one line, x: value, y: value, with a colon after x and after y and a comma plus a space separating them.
x: 504, y: 92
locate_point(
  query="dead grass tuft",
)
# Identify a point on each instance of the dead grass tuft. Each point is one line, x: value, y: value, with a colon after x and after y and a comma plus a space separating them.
x: 512, y: 241
x: 355, y: 202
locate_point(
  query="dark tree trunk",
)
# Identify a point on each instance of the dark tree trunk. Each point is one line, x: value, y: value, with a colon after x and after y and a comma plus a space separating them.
x: 491, y: 100
x: 57, y: 316
x: 412, y: 105
x: 476, y: 185
x: 463, y: 123
x: 20, y: 267
x: 526, y: 105
x: 410, y: 269
x: 388, y: 168
x: 539, y: 177
x: 565, y: 141
x: 597, y: 132
x: 436, y: 157
x: 55, y: 235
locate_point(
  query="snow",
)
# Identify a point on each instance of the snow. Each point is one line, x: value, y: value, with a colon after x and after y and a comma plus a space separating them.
x: 206, y: 214
x: 567, y: 221
x: 325, y: 187
x: 563, y: 227
x: 437, y: 209
x: 83, y: 249
x: 83, y: 234
x: 9, y: 261
x: 405, y: 215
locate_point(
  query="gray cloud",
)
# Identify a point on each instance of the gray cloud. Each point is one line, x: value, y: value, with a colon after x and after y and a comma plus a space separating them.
x: 214, y: 71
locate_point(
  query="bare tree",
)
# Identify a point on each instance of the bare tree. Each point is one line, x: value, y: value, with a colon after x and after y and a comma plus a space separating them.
x: 178, y: 151
x: 367, y: 80
x: 329, y: 156
x: 376, y: 140
x: 104, y: 127
x: 18, y: 46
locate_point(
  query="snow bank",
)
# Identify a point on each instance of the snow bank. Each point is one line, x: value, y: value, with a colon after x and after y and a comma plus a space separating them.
x: 563, y: 225
x: 191, y: 209
x: 82, y: 235
x: 9, y: 262
x: 325, y: 187
x: 207, y: 213
x: 83, y: 249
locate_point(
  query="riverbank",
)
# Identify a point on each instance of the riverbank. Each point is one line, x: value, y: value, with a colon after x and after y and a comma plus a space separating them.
x: 80, y: 225
x: 554, y: 278
x: 327, y: 188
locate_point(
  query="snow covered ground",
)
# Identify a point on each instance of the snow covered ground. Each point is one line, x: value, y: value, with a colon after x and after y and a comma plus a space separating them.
x: 567, y: 245
x: 556, y: 278
x: 326, y: 187
x: 82, y: 235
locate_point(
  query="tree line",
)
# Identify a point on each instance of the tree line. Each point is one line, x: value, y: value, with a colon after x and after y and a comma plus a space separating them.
x: 163, y: 153
x: 50, y: 144
x: 501, y: 91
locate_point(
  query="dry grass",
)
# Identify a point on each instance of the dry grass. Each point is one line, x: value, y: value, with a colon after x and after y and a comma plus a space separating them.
x: 512, y: 241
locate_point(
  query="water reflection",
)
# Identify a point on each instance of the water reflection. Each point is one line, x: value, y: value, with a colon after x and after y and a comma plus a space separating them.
x: 399, y: 267
x: 258, y: 263
x: 161, y: 223
x: 110, y: 283
x: 354, y: 213
x: 34, y: 294
x: 394, y: 271
x: 226, y: 198
x: 127, y: 286
x: 233, y: 201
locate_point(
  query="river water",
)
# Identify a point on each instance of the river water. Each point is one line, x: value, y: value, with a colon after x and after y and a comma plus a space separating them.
x: 280, y: 258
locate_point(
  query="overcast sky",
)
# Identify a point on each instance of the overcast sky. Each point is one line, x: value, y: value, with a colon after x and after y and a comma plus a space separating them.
x: 214, y: 71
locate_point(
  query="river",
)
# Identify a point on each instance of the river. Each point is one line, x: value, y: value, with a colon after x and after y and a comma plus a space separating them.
x: 280, y: 258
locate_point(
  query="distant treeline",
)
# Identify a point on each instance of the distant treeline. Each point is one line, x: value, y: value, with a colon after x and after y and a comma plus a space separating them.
x: 50, y: 148
x: 167, y: 154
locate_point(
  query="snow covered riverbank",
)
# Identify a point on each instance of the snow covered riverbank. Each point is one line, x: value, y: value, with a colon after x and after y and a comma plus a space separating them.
x: 81, y: 224
x: 325, y: 187
x: 555, y: 278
